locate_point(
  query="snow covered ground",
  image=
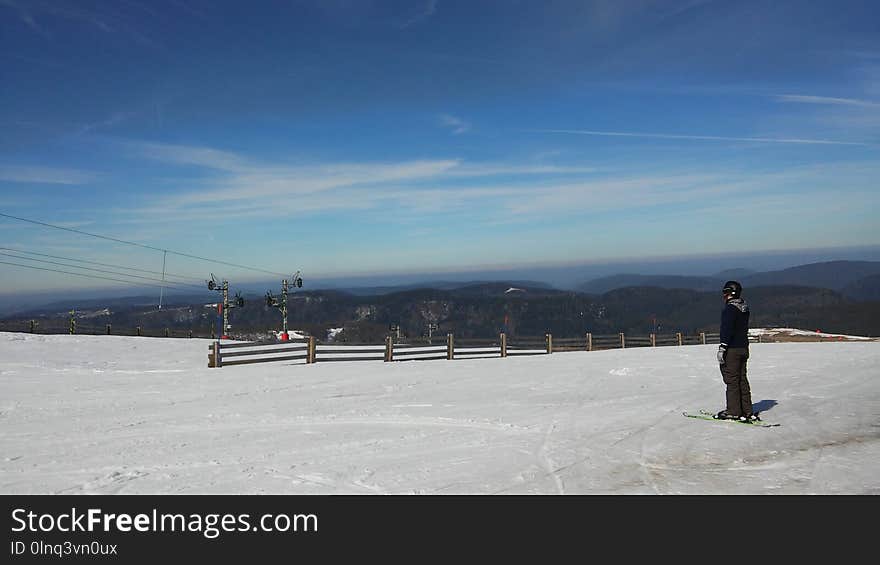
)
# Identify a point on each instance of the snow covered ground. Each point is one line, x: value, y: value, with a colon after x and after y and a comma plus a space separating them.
x: 113, y: 414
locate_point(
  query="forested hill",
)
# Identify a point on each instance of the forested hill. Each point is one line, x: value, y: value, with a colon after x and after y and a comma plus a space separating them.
x: 484, y: 310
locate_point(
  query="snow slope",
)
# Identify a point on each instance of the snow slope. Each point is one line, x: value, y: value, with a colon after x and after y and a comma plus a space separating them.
x: 113, y: 414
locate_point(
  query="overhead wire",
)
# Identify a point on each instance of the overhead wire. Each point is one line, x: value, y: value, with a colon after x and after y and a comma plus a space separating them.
x: 167, y: 284
x: 117, y: 240
x: 134, y: 283
x: 98, y: 263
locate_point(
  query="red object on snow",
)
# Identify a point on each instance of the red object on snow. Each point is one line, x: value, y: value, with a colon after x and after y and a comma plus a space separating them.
x: 285, y: 336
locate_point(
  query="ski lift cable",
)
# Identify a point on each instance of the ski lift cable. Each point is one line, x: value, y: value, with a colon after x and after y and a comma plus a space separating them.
x: 98, y: 263
x: 88, y: 276
x: 166, y: 283
x: 117, y: 240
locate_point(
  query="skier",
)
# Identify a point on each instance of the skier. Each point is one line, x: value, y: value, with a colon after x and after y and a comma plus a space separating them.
x: 733, y: 354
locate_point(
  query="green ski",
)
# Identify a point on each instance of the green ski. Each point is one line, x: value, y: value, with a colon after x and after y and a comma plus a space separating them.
x: 707, y: 416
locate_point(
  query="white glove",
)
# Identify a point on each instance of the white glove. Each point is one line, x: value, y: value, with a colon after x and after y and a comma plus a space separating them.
x: 722, y: 351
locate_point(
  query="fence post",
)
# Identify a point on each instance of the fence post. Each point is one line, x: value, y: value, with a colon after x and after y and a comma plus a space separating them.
x: 678, y: 335
x: 703, y: 337
x: 503, y: 344
x: 622, y: 341
x: 549, y: 338
x: 450, y: 347
x: 590, y: 341
x: 214, y: 359
x: 653, y: 340
x: 389, y: 348
x: 311, y: 354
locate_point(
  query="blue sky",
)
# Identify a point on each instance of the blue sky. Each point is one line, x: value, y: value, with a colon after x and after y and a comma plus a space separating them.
x: 344, y: 137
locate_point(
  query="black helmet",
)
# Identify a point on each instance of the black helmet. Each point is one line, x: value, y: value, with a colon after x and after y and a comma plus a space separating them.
x: 733, y: 288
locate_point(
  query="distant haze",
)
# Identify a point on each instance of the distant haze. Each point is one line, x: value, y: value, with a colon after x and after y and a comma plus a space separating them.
x: 567, y: 277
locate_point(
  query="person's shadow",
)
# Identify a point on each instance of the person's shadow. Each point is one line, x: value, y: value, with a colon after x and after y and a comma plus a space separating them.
x: 763, y: 405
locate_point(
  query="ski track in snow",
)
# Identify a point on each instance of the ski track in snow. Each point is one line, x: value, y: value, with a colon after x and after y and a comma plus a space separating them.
x: 548, y: 463
x: 96, y: 414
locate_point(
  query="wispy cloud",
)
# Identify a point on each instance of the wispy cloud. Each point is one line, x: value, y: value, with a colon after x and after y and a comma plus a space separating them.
x: 109, y: 19
x: 505, y: 202
x: 234, y: 177
x: 26, y: 11
x: 189, y: 155
x: 616, y: 192
x: 44, y: 175
x: 267, y: 182
x: 844, y: 115
x: 825, y: 100
x: 25, y: 15
x: 425, y: 12
x: 115, y: 119
x: 700, y: 137
x: 697, y: 189
x: 240, y: 189
x: 188, y: 8
x: 234, y: 185
x: 457, y: 125
x: 500, y: 169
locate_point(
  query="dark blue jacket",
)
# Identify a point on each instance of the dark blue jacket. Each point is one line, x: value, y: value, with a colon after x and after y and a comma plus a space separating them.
x: 735, y: 323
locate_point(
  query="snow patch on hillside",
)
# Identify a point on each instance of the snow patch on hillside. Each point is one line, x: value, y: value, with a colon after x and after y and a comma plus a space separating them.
x: 791, y: 332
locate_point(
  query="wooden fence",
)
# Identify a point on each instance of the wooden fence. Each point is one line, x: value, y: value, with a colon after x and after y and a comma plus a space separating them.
x: 62, y: 326
x: 224, y: 354
x: 308, y: 350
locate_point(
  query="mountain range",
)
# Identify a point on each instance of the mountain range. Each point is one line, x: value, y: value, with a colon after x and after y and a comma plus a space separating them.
x: 837, y: 297
x: 857, y: 280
